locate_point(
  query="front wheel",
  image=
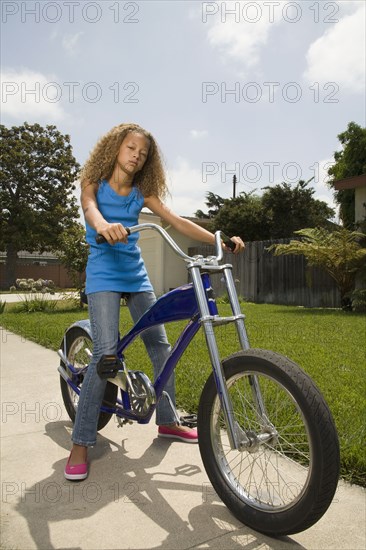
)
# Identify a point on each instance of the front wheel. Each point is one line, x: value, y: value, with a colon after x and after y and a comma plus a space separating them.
x: 283, y: 484
x: 78, y: 350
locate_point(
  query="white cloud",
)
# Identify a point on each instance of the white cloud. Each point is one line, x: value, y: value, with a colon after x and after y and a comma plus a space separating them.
x: 76, y: 194
x: 188, y: 191
x: 69, y: 42
x: 240, y: 32
x: 349, y: 5
x: 29, y: 94
x: 186, y: 188
x: 339, y: 55
x: 322, y: 191
x: 198, y: 134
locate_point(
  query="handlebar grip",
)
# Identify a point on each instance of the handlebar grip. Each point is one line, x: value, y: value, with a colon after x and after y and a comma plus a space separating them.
x: 99, y: 239
x: 229, y: 243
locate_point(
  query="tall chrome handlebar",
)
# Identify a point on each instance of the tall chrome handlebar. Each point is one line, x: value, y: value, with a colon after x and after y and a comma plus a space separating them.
x: 219, y: 237
x: 164, y: 234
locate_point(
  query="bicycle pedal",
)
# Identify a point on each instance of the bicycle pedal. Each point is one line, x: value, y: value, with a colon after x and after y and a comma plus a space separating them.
x: 189, y: 420
x: 108, y: 366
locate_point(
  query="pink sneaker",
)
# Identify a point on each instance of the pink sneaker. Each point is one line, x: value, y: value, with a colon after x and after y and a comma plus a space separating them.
x: 76, y: 472
x: 172, y: 432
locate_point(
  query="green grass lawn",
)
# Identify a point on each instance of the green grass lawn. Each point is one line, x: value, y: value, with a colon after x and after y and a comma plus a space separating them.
x: 328, y: 344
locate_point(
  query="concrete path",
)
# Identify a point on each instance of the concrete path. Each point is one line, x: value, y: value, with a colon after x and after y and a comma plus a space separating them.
x: 142, y: 492
x: 13, y: 298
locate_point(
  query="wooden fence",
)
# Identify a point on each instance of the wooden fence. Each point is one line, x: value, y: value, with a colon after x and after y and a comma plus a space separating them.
x: 262, y: 277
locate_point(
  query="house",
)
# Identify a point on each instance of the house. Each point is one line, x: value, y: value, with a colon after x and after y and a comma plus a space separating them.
x: 36, y: 265
x: 166, y: 270
x: 358, y: 183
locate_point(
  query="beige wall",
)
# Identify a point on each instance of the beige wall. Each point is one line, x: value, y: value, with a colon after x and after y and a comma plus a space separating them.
x: 176, y: 273
x: 152, y: 250
x: 360, y: 200
x: 360, y: 214
x: 166, y: 270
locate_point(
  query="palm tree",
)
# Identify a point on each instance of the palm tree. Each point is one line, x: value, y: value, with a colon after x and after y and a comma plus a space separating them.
x: 339, y: 252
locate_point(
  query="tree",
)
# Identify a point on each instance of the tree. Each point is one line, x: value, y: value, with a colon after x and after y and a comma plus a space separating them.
x: 289, y: 209
x: 351, y: 161
x: 243, y: 216
x: 73, y: 253
x: 278, y: 213
x: 339, y: 252
x: 37, y: 179
x: 214, y: 203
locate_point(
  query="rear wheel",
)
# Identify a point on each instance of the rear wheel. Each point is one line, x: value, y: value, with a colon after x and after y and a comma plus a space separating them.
x: 284, y: 483
x: 78, y: 349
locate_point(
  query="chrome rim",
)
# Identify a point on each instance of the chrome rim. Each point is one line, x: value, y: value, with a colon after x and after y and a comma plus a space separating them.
x: 79, y: 358
x: 277, y: 474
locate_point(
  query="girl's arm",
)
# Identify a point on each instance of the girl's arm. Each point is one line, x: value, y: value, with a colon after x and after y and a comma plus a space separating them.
x: 184, y: 226
x: 113, y: 232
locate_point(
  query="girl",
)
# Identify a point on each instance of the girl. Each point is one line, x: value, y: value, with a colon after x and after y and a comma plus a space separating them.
x: 123, y: 174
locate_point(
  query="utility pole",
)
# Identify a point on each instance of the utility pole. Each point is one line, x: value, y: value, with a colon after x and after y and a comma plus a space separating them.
x: 234, y: 186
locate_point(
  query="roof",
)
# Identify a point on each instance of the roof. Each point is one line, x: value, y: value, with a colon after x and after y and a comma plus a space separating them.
x: 351, y: 183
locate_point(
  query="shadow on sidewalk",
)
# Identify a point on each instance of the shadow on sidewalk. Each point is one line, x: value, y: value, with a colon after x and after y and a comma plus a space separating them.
x: 119, y: 481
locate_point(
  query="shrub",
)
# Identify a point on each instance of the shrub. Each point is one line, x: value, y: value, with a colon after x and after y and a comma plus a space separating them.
x: 358, y: 298
x: 38, y: 284
x: 23, y: 285
x: 71, y: 300
x: 35, y: 286
x: 36, y: 302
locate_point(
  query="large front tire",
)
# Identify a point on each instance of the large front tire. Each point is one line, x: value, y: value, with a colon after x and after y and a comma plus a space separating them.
x: 78, y: 347
x: 285, y: 485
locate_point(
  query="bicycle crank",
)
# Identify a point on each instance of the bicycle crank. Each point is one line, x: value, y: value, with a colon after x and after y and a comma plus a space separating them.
x: 141, y: 393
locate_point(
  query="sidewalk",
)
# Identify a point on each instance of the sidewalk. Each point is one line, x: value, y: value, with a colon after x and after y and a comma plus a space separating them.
x: 11, y: 298
x: 142, y: 492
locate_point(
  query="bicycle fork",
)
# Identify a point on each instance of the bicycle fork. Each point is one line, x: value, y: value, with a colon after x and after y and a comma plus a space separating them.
x: 209, y: 318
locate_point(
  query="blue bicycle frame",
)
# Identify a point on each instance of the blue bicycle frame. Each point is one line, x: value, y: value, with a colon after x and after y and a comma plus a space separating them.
x: 278, y: 478
x: 192, y: 301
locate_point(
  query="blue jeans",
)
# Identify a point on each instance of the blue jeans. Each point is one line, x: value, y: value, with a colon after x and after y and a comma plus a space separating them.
x: 104, y: 308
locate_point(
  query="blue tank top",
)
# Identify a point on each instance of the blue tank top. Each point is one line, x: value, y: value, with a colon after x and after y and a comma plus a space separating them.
x: 118, y: 267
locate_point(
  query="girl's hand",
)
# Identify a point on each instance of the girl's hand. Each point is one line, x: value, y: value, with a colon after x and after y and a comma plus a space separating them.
x: 112, y: 232
x: 239, y: 245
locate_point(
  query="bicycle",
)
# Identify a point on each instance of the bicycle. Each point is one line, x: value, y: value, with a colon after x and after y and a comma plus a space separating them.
x: 266, y: 436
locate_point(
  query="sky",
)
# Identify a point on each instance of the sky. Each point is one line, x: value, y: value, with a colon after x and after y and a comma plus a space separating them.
x: 257, y: 88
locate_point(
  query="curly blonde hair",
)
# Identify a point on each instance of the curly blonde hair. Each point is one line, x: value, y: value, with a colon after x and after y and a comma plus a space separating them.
x: 150, y: 180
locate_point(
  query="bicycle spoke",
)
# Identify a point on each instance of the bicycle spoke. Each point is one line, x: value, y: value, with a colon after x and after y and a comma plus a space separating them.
x: 275, y: 474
